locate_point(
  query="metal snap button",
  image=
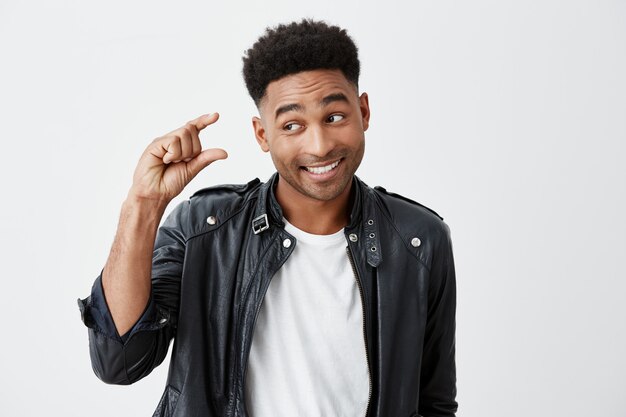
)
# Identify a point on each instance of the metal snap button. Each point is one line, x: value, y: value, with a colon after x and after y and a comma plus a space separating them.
x: 287, y: 243
x: 211, y: 220
x: 353, y: 237
x: 415, y: 242
x: 163, y: 320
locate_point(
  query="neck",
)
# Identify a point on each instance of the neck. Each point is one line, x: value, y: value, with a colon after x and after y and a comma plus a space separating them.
x: 314, y: 216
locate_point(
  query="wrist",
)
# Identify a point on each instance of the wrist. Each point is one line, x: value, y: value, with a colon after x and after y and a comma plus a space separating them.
x: 135, y: 199
x: 145, y: 208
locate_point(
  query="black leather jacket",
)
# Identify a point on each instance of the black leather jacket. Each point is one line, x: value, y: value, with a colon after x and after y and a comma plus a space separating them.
x: 214, y: 257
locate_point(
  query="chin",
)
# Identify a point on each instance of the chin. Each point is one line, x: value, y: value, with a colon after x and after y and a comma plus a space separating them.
x: 325, y: 193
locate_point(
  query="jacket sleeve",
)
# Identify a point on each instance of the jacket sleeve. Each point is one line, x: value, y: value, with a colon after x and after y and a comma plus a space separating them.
x: 125, y: 359
x: 437, y: 396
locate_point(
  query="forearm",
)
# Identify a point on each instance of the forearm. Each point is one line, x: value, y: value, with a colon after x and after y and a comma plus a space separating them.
x: 127, y: 272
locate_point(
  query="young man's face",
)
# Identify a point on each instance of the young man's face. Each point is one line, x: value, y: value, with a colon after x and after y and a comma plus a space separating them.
x: 313, y: 125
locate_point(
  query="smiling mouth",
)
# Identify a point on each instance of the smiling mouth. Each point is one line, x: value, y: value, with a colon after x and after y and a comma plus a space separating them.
x: 323, y: 169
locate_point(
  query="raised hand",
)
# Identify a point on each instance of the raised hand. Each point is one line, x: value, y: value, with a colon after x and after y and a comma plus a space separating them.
x: 171, y: 161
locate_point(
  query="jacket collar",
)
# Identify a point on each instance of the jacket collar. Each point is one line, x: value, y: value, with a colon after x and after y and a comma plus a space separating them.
x: 363, y: 221
x: 267, y: 211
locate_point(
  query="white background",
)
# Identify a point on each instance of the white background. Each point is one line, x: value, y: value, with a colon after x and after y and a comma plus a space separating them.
x: 507, y: 118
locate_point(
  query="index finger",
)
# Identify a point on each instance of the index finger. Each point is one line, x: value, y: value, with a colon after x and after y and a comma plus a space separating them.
x: 205, y: 120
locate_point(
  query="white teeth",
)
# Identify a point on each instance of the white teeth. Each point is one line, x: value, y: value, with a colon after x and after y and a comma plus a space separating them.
x: 322, y: 170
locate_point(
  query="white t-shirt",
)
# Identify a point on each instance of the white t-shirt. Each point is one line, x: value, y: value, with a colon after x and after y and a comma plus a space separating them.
x: 307, y: 357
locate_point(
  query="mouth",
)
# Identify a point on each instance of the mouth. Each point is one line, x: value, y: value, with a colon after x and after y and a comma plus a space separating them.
x: 320, y: 170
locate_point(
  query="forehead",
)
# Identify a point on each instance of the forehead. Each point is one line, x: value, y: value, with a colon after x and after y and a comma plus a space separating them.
x: 306, y: 86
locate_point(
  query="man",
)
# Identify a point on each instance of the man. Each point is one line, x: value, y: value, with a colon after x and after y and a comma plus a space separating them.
x: 309, y: 295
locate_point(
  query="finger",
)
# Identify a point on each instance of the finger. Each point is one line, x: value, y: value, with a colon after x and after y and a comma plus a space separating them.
x: 186, y: 146
x: 204, y: 159
x: 196, y: 146
x: 172, y: 150
x: 205, y: 120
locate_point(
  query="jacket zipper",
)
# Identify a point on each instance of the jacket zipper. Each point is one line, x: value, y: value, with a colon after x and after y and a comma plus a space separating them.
x: 249, y: 345
x: 369, y: 371
x: 358, y: 281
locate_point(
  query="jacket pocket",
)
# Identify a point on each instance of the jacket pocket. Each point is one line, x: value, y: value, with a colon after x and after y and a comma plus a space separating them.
x: 167, y: 404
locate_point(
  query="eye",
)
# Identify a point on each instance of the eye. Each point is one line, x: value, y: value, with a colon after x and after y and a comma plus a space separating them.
x: 292, y: 126
x: 334, y: 118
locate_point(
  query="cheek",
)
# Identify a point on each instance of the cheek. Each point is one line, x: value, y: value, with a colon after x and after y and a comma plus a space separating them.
x: 280, y: 156
x: 285, y: 152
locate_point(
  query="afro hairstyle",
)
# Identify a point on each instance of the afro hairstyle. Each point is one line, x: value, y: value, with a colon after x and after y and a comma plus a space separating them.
x: 298, y: 46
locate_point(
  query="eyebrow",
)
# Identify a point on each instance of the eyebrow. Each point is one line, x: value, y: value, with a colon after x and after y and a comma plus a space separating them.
x: 287, y: 108
x: 325, y: 102
x: 333, y: 97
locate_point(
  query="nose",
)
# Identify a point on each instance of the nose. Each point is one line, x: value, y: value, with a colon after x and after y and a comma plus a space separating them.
x: 318, y: 142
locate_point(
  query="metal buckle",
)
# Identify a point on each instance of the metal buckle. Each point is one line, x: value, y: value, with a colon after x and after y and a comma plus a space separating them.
x: 260, y: 224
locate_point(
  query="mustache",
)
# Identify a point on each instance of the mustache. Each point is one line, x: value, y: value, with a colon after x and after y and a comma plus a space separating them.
x: 330, y: 157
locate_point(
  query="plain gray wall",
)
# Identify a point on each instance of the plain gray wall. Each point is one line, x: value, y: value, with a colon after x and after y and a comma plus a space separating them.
x: 507, y: 118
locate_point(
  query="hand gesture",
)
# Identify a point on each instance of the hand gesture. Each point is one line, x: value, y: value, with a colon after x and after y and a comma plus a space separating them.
x: 171, y: 161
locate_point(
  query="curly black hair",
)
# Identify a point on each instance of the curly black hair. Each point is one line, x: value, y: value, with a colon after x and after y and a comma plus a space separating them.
x: 298, y: 46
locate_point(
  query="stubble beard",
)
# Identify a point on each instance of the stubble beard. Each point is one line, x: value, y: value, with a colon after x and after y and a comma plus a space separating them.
x: 323, y: 192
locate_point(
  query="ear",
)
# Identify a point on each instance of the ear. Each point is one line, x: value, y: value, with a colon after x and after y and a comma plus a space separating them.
x: 260, y: 134
x: 364, y: 105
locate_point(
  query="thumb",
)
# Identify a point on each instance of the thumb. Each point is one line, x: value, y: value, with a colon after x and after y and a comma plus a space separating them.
x: 204, y: 159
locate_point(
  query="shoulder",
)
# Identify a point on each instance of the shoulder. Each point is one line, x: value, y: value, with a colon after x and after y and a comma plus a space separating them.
x: 411, y: 220
x: 404, y: 211
x: 401, y: 203
x: 218, y: 202
x: 225, y: 191
x: 224, y: 199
